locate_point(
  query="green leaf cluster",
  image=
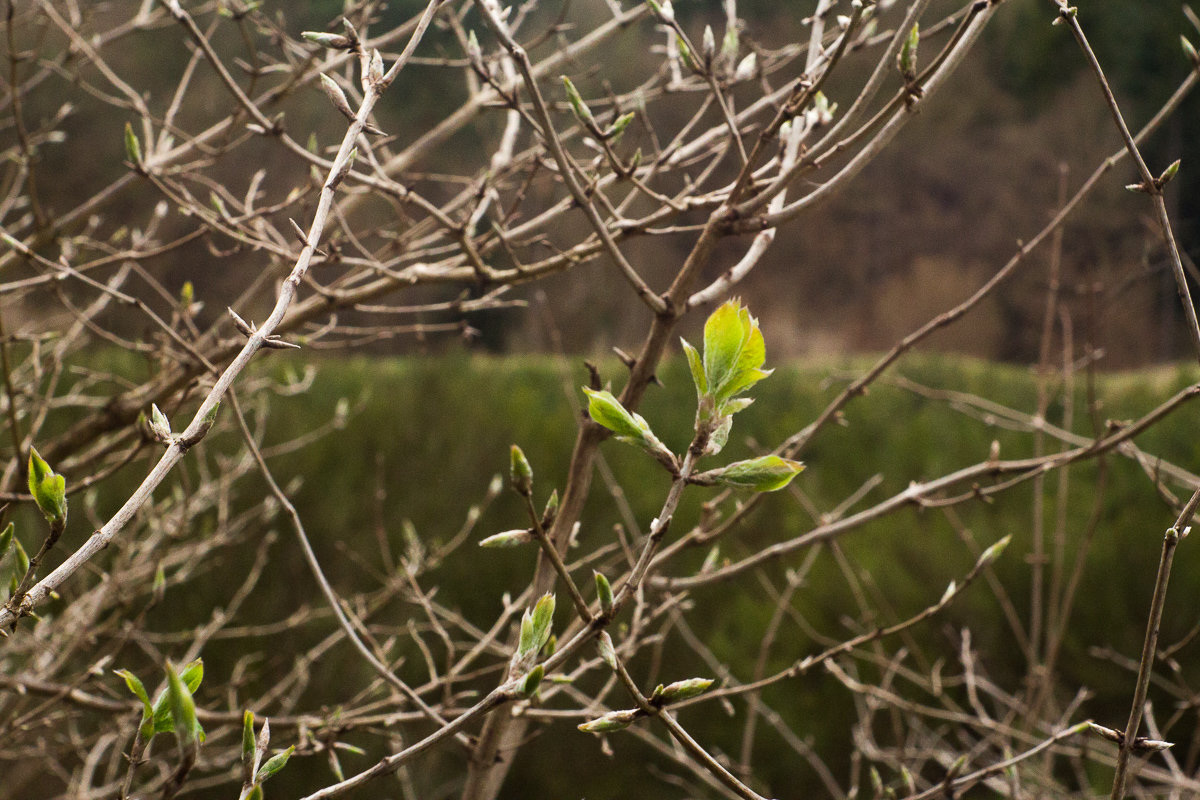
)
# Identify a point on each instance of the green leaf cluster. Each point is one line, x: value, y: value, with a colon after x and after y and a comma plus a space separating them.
x: 173, y: 710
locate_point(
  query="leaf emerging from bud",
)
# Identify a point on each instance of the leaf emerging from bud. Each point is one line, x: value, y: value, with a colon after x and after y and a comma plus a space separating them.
x: 605, y: 593
x: 608, y: 653
x: 582, y: 112
x: 274, y: 764
x: 133, y: 148
x: 513, y: 538
x: 533, y: 680
x: 763, y: 474
x: 520, y: 474
x: 49, y: 489
x: 336, y: 96
x: 680, y: 690
x: 334, y: 41
x: 612, y: 721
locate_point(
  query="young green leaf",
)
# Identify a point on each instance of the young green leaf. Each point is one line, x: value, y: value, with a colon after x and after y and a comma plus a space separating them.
x: 608, y: 653
x: 6, y: 537
x: 543, y: 620
x: 133, y: 148
x: 697, y: 368
x: 734, y: 352
x: 183, y: 707
x: 582, y: 112
x: 604, y: 592
x: 907, y: 58
x: 248, y: 741
x: 512, y: 538
x: 612, y: 721
x: 533, y: 680
x: 763, y: 474
x: 274, y: 764
x: 138, y: 689
x: 520, y: 474
x: 48, y: 488
x: 680, y: 690
x: 606, y: 410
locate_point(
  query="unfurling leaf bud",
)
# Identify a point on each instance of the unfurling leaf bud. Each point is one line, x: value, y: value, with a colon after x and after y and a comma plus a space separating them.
x: 663, y: 11
x: 1168, y: 173
x: 512, y: 538
x: 336, y: 96
x: 745, y: 68
x: 274, y: 764
x: 375, y: 73
x: 618, y: 127
x: 334, y: 41
x: 248, y: 741
x: 763, y: 474
x: 629, y: 427
x: 729, y: 45
x: 680, y: 690
x: 133, y: 148
x: 995, y: 551
x: 183, y: 707
x: 608, y: 653
x: 605, y: 593
x: 48, y: 489
x: 708, y: 45
x: 612, y: 721
x: 533, y: 680
x: 907, y: 59
x: 160, y: 428
x: 582, y: 112
x: 520, y: 474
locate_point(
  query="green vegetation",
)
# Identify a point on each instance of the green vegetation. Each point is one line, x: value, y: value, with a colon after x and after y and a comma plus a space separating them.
x: 405, y: 436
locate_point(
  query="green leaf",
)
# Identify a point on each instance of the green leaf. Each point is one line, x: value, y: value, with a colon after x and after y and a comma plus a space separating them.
x: 183, y: 707
x: 139, y: 691
x: 274, y: 764
x: 248, y: 739
x: 734, y: 352
x: 604, y: 592
x: 6, y: 537
x: 907, y: 58
x: 255, y: 792
x: 48, y: 488
x: 764, y: 474
x: 697, y: 368
x: 133, y: 148
x: 606, y: 410
x: 582, y: 112
x: 543, y: 619
x: 164, y: 719
x: 22, y: 559
x: 533, y: 680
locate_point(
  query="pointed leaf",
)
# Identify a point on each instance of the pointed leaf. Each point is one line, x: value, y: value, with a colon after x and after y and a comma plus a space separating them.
x: 765, y: 474
x: 697, y: 368
x: 139, y: 690
x: 274, y: 764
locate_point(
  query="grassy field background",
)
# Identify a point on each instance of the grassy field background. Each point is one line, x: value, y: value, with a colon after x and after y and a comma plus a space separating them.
x: 423, y: 439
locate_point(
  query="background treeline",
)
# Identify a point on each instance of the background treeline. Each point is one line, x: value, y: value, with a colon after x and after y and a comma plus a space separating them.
x: 924, y: 225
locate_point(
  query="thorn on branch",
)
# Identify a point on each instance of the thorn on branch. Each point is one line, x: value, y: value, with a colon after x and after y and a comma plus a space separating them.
x: 272, y: 342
